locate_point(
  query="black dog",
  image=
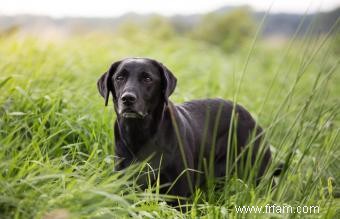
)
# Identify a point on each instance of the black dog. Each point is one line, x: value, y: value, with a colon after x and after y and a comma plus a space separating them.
x: 196, y: 135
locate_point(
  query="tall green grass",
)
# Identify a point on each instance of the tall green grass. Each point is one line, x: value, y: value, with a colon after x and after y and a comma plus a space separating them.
x: 56, y: 136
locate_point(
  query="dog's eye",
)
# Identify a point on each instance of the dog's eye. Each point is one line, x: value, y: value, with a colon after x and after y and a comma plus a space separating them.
x: 120, y: 78
x: 147, y: 78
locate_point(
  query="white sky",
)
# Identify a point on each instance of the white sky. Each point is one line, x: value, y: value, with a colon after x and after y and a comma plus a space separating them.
x: 107, y: 8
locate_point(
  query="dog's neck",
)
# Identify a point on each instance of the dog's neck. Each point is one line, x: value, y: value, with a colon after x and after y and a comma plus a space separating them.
x: 136, y: 132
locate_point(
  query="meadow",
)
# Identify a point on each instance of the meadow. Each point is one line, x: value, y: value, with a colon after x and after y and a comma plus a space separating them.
x: 56, y: 136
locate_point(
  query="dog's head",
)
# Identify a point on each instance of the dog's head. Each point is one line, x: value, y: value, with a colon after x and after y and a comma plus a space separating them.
x: 137, y: 85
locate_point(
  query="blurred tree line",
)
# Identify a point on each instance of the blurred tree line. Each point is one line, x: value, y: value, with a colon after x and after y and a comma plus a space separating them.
x: 232, y: 29
x: 155, y: 27
x: 229, y: 30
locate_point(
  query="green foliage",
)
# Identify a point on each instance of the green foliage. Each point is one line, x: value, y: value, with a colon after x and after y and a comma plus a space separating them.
x: 336, y: 44
x: 56, y: 136
x: 230, y: 30
x: 128, y: 28
x: 156, y: 26
x: 160, y: 28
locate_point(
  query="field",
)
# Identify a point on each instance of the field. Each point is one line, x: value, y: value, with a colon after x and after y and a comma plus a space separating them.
x: 56, y: 136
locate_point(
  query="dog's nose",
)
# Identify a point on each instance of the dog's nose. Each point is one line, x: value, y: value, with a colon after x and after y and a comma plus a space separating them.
x: 129, y: 98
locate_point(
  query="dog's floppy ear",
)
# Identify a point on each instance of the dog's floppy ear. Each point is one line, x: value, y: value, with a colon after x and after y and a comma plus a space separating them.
x: 103, y: 88
x: 169, y: 81
x: 104, y: 84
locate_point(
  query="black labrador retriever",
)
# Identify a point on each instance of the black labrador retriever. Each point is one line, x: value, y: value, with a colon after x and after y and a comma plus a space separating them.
x: 210, y: 137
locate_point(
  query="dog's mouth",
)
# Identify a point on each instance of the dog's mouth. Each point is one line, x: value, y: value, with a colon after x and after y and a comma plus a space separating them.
x: 131, y: 114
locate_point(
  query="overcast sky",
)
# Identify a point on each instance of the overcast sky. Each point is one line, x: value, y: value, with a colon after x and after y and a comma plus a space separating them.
x: 108, y: 8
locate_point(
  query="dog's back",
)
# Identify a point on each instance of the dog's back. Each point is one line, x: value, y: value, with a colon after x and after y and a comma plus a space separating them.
x: 215, y: 128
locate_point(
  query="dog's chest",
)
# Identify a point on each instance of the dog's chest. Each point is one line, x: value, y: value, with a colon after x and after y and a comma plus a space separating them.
x: 154, y: 151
